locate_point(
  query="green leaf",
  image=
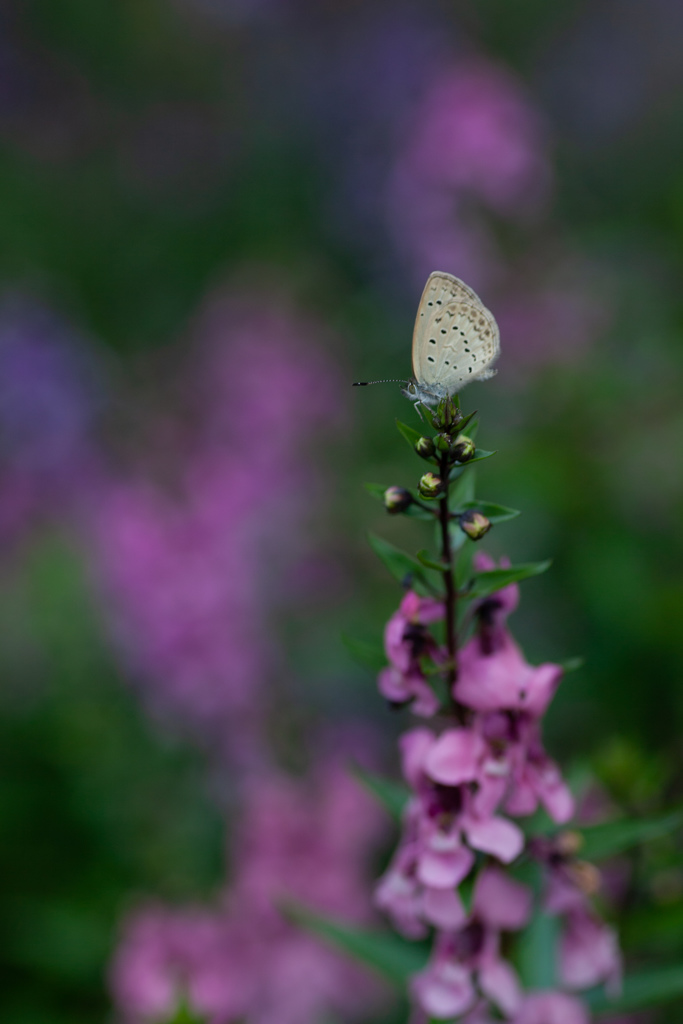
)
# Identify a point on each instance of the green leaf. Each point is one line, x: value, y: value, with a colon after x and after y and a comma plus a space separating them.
x: 418, y: 511
x: 412, y: 436
x: 463, y: 489
x: 572, y: 664
x: 392, y: 795
x: 463, y: 565
x: 614, y: 837
x: 376, y: 490
x: 401, y: 565
x: 371, y: 655
x: 485, y: 583
x: 640, y: 991
x: 496, y: 513
x: 479, y: 454
x: 462, y: 427
x: 429, y: 563
x: 388, y: 954
x: 537, y: 952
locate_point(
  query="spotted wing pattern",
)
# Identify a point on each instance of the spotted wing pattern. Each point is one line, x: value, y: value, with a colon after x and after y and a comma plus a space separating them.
x: 456, y: 338
x: 459, y: 344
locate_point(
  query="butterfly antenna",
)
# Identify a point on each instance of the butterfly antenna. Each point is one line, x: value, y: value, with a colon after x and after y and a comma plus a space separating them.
x: 388, y: 380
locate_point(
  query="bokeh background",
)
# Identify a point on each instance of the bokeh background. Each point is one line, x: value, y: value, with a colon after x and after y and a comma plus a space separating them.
x: 214, y: 215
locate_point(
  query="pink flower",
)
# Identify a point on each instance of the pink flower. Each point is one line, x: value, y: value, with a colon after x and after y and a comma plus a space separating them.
x: 589, y: 952
x: 473, y: 953
x: 451, y: 807
x: 500, y: 901
x: 406, y: 641
x: 551, y: 1008
x: 495, y: 679
x: 444, y: 989
x: 503, y: 680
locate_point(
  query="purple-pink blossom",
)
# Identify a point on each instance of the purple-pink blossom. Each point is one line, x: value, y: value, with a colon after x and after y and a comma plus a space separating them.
x: 468, y: 961
x: 305, y: 841
x: 406, y: 642
x: 191, y: 570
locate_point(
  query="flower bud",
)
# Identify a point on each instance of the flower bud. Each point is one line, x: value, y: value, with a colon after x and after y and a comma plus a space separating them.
x: 585, y: 876
x: 424, y: 447
x: 474, y: 524
x: 443, y: 443
x: 397, y: 499
x: 463, y: 449
x: 430, y: 486
x: 568, y: 843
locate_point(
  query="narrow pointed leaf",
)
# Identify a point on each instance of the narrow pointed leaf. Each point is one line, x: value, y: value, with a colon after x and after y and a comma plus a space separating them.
x: 418, y: 511
x: 496, y: 513
x: 480, y: 453
x: 485, y: 583
x: 412, y: 436
x: 462, y: 490
x: 614, y: 837
x: 537, y: 952
x: 376, y: 490
x: 402, y: 566
x: 462, y: 427
x: 365, y: 653
x: 430, y: 563
x: 391, y: 956
x: 391, y: 794
x: 641, y: 990
x: 572, y: 664
x: 478, y: 456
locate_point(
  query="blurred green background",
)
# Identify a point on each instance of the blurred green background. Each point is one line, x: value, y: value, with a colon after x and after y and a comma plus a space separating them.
x: 156, y: 153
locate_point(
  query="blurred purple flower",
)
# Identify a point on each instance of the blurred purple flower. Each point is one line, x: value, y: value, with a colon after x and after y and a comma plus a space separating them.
x: 192, y: 573
x: 473, y: 140
x: 306, y: 840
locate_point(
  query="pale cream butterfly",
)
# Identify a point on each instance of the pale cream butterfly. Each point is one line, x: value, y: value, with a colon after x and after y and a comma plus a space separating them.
x: 455, y: 341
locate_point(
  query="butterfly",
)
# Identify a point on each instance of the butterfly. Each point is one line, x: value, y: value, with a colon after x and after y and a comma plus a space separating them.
x: 455, y: 341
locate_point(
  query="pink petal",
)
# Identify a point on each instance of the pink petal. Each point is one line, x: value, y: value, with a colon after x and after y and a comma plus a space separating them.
x: 552, y: 1008
x: 499, y: 982
x: 496, y: 836
x: 443, y: 908
x: 552, y: 790
x: 589, y: 953
x: 500, y: 901
x: 443, y: 869
x: 504, y: 679
x: 444, y: 990
x: 414, y: 746
x: 455, y: 757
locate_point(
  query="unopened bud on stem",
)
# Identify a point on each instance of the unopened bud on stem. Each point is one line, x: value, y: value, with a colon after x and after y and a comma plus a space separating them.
x: 474, y: 524
x: 397, y: 499
x: 463, y: 449
x: 424, y: 447
x: 430, y: 486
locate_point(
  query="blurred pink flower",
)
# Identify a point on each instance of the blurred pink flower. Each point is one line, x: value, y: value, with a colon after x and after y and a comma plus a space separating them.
x: 471, y: 955
x: 191, y: 573
x: 551, y: 1008
x: 473, y: 137
x: 302, y: 840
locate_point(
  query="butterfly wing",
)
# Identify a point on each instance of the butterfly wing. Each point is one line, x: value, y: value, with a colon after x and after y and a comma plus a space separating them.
x: 441, y: 288
x: 461, y: 342
x: 456, y: 338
